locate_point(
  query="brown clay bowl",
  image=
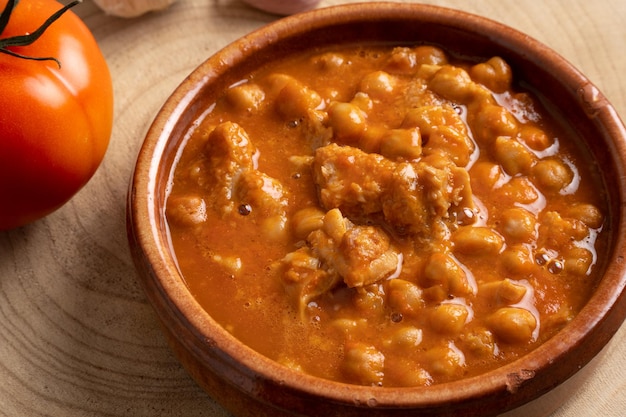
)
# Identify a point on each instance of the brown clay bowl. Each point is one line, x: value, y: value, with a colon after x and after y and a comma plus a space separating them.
x: 249, y: 384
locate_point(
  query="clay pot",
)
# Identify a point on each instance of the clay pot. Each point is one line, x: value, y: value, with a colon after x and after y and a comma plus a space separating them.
x: 249, y: 384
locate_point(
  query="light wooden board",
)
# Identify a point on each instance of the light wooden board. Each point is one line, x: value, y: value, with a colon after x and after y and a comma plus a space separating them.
x: 77, y: 337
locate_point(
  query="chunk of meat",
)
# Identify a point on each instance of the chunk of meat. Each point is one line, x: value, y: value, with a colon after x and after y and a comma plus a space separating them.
x: 361, y: 255
x: 231, y: 162
x: 351, y: 180
x: 443, y: 131
x: 339, y: 250
x: 187, y: 210
x: 411, y: 196
x: 424, y: 193
x: 267, y: 200
x: 304, y: 278
x: 260, y: 191
x: 229, y: 152
x: 299, y: 106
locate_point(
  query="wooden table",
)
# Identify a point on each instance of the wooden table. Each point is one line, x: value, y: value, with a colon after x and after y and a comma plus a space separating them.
x: 77, y: 337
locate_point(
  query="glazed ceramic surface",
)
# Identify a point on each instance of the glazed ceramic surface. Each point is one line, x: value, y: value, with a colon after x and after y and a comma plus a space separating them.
x: 249, y: 384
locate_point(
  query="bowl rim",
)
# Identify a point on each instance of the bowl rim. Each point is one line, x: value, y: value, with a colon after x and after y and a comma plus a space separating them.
x: 599, y: 318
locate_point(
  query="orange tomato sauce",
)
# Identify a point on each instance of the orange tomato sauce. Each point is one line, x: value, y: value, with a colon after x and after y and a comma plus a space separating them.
x: 387, y: 216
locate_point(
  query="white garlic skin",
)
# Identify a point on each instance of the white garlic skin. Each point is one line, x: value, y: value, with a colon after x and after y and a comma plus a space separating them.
x: 283, y: 7
x: 131, y: 8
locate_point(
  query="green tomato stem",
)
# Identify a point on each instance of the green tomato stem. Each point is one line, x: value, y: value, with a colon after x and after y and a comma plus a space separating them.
x: 6, y: 14
x: 25, y: 40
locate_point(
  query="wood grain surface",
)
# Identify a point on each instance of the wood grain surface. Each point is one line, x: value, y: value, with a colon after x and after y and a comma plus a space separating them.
x: 77, y: 337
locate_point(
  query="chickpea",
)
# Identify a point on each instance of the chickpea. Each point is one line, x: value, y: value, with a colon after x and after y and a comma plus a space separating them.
x: 330, y: 61
x: 449, y: 318
x: 346, y: 120
x: 348, y: 326
x: 445, y: 360
x: 276, y: 81
x: 364, y: 364
x: 559, y: 231
x: 406, y: 337
x: 187, y: 210
x: 484, y: 176
x: 405, y: 60
x: 495, y: 74
x: 335, y: 225
x: 480, y: 342
x: 306, y: 220
x: 586, y: 213
x: 363, y: 101
x: 452, y: 83
x: 427, y: 71
x: 519, y: 190
x: 274, y: 227
x: 513, y: 325
x: 402, y: 143
x: 295, y: 100
x: 431, y: 55
x: 535, y: 138
x: 477, y: 241
x: 512, y: 155
x: 509, y: 292
x: 232, y: 263
x: 378, y: 85
x: 404, y: 297
x: 551, y: 175
x: 488, y: 121
x: 443, y: 270
x: 578, y: 261
x: 245, y: 97
x: 518, y: 225
x: 402, y: 60
x: 517, y: 260
x: 407, y: 373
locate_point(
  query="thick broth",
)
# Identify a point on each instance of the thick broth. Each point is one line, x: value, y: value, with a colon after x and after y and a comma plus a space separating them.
x: 386, y: 216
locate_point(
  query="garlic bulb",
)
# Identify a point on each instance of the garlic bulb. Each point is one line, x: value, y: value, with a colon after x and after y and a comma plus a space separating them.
x: 283, y: 7
x: 131, y: 8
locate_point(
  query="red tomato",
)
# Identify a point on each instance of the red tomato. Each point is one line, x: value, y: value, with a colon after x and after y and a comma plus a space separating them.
x: 55, y: 122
